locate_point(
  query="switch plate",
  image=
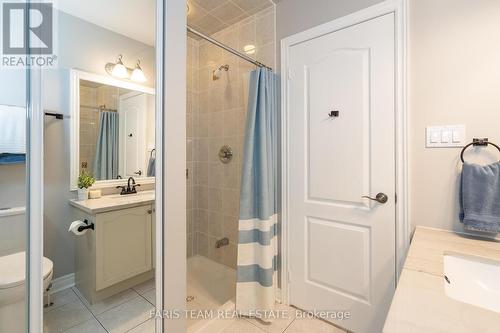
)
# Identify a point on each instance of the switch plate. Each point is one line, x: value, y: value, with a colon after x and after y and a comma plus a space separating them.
x: 445, y: 136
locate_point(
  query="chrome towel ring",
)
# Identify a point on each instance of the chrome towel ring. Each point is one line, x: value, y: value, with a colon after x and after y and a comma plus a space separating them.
x: 477, y: 143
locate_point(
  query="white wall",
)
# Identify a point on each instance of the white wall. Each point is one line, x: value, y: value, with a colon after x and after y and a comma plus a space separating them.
x: 454, y: 79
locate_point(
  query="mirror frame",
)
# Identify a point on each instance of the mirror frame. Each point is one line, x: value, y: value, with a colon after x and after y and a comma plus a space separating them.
x: 75, y: 77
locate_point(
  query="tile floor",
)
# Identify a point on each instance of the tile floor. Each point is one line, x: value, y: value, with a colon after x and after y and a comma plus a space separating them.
x: 129, y: 311
x: 288, y: 325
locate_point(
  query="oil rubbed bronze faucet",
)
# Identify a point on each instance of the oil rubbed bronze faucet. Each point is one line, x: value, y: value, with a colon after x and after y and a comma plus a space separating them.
x: 130, y: 188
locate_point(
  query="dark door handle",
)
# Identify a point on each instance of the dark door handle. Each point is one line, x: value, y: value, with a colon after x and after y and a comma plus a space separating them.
x: 380, y: 198
x: 138, y: 172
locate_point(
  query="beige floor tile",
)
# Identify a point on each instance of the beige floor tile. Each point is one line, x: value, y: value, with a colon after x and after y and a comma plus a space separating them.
x: 242, y: 326
x: 277, y: 325
x: 110, y: 302
x: 145, y: 286
x: 150, y: 296
x: 61, y: 298
x: 65, y: 317
x: 90, y: 326
x: 147, y: 327
x: 126, y: 316
x: 312, y: 326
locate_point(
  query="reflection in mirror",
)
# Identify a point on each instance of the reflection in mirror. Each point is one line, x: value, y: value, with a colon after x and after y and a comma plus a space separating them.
x: 100, y: 233
x: 117, y: 132
x: 12, y: 134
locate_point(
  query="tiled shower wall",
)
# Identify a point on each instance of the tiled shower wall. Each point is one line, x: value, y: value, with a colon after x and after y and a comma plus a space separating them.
x: 216, y: 117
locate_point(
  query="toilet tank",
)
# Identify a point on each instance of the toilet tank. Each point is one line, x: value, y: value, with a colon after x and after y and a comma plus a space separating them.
x: 12, y: 230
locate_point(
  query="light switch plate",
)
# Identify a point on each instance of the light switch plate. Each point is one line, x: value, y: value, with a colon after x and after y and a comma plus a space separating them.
x: 445, y: 136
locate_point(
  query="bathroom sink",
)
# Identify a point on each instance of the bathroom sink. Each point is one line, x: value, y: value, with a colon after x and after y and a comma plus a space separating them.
x: 119, y: 196
x: 473, y: 280
x: 114, y: 202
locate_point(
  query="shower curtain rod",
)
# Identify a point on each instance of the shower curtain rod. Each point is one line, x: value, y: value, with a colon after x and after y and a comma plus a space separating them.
x: 227, y: 48
x: 97, y: 108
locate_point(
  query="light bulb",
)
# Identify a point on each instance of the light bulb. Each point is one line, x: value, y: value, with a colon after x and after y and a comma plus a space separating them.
x: 119, y: 70
x: 138, y: 74
x: 249, y: 49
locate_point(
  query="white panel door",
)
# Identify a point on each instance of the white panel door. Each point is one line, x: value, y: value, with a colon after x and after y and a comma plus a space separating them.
x: 342, y: 246
x: 133, y: 113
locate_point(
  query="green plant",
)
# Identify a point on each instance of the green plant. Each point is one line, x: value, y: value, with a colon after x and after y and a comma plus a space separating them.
x: 85, y: 180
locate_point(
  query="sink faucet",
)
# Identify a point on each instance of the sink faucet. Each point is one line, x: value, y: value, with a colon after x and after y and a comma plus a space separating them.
x: 130, y: 188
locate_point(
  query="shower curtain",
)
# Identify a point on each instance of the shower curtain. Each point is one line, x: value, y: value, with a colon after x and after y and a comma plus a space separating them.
x: 106, y: 152
x: 257, y: 246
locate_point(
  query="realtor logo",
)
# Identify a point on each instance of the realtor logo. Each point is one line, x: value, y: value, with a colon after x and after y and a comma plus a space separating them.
x: 28, y: 34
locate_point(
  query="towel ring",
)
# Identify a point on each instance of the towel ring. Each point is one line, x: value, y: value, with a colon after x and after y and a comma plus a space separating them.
x: 477, y: 143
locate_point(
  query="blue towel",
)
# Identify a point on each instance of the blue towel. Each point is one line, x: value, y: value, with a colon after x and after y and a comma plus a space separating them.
x: 480, y: 197
x: 151, y: 167
x: 6, y: 159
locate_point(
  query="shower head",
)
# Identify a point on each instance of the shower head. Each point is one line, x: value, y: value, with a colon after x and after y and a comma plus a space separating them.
x: 218, y: 72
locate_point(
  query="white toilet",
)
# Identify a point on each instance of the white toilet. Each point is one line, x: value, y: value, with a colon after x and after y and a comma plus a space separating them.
x: 13, y: 290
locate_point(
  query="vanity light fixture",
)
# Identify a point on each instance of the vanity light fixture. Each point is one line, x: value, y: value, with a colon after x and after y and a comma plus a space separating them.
x: 119, y: 70
x: 137, y: 73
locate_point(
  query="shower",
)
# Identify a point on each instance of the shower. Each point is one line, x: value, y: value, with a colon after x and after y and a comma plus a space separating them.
x: 217, y: 72
x: 216, y: 122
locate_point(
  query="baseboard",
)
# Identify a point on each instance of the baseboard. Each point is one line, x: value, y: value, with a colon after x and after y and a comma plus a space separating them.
x: 63, y: 282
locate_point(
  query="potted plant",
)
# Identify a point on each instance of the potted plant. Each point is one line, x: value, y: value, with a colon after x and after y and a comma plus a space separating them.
x: 85, y: 180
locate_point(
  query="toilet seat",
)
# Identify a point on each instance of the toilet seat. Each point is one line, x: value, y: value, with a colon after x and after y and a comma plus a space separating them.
x: 13, y: 268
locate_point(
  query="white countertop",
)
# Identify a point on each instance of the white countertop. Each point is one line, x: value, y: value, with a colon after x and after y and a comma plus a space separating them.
x: 420, y: 303
x: 114, y: 202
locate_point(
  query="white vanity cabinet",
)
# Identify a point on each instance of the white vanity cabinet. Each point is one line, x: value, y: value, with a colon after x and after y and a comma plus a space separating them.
x: 119, y: 252
x: 123, y: 241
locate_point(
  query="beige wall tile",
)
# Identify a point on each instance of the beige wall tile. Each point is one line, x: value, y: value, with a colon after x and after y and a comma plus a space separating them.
x: 265, y: 28
x: 216, y: 225
x: 219, y: 115
x: 215, y: 199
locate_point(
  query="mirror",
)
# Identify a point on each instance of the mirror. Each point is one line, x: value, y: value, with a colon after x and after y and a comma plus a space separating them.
x: 113, y: 125
x: 12, y: 134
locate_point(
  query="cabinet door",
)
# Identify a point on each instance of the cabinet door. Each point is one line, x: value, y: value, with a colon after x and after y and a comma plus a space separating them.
x: 123, y: 245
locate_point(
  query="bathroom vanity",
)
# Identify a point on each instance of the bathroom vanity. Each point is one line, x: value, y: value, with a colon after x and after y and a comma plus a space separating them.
x: 443, y: 288
x: 118, y: 252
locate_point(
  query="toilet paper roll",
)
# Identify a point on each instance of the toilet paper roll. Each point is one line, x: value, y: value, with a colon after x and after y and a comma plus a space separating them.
x: 75, y: 225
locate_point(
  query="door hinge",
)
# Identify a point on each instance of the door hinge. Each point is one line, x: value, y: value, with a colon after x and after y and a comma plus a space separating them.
x: 187, y: 173
x: 395, y: 197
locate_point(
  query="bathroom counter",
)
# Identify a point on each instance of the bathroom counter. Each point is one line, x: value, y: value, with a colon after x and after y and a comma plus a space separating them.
x: 420, y: 303
x: 114, y: 202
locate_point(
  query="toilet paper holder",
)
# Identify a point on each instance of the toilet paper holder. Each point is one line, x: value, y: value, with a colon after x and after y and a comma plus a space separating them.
x: 87, y: 226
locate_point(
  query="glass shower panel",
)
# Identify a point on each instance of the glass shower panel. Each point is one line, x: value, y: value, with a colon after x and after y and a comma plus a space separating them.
x: 13, y: 203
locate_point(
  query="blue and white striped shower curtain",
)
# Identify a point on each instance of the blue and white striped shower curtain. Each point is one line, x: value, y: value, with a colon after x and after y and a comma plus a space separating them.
x: 257, y: 247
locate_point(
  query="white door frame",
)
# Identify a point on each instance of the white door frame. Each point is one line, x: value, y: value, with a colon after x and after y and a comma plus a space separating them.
x: 403, y: 230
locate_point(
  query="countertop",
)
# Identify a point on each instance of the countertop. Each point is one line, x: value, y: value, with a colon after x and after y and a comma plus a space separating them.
x: 114, y: 202
x: 420, y: 303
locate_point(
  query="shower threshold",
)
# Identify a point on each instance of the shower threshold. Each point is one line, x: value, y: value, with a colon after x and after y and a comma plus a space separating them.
x: 211, y: 291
